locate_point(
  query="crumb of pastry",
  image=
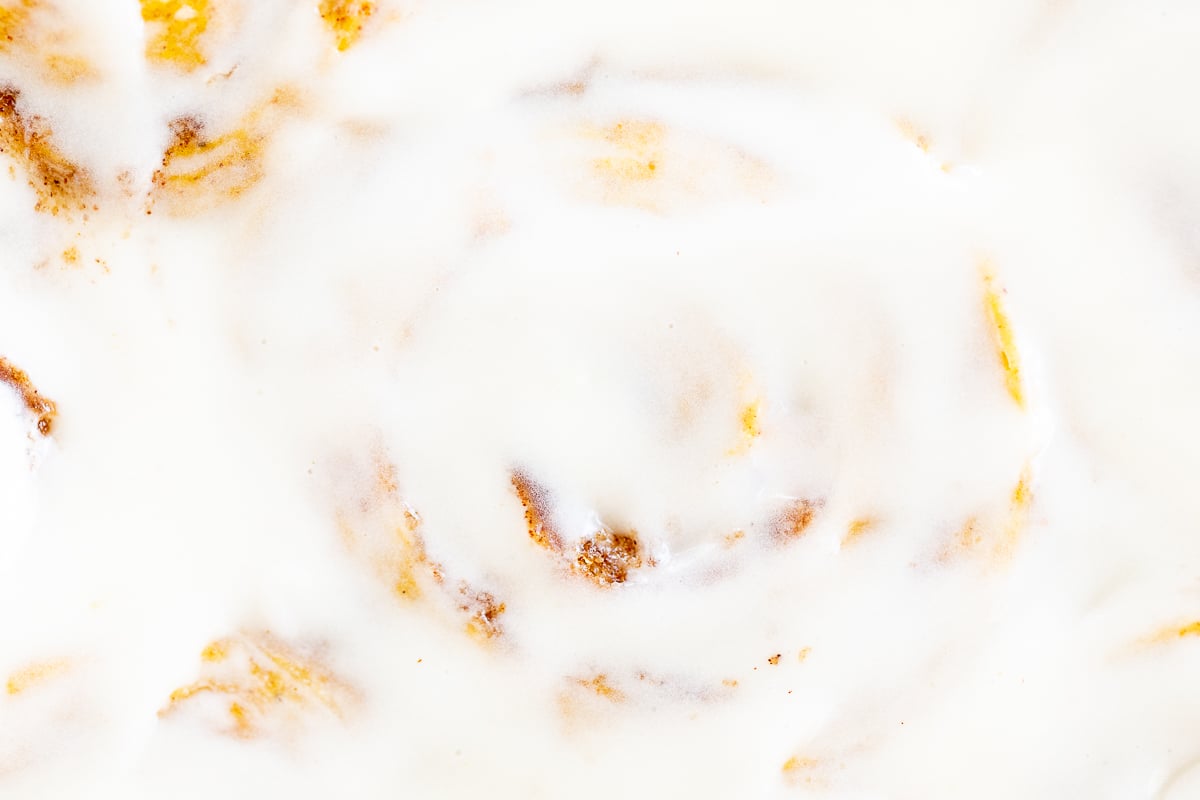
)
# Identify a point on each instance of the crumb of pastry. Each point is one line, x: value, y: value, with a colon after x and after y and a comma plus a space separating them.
x: 535, y: 499
x: 857, y: 528
x: 998, y: 533
x: 174, y: 31
x: 750, y: 427
x: 13, y: 17
x: 631, y: 163
x: 65, y: 68
x: 600, y: 686
x: 639, y: 153
x: 969, y: 536
x: 1020, y: 499
x: 774, y: 660
x: 201, y: 169
x: 483, y: 612
x: 346, y: 19
x: 193, y: 163
x: 794, y: 519
x: 38, y: 32
x: 265, y: 681
x: 1003, y: 335
x: 608, y: 556
x: 1191, y: 629
x: 42, y: 407
x: 34, y: 674
x: 59, y: 184
x: 1172, y: 633
x: 380, y: 526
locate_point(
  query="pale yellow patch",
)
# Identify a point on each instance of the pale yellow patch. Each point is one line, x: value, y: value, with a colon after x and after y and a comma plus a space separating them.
x: 1003, y: 335
x: 800, y: 770
x: 1018, y: 514
x: 34, y: 674
x: 633, y: 159
x: 999, y: 533
x: 857, y: 528
x: 66, y: 68
x: 751, y: 427
x: 918, y: 138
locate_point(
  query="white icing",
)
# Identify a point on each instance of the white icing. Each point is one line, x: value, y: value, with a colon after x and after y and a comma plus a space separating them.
x: 434, y: 268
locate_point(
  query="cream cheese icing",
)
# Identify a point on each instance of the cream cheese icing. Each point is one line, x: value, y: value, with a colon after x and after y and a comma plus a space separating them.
x: 446, y: 400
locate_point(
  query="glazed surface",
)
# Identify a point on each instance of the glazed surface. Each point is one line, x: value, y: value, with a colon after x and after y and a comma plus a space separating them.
x: 409, y: 399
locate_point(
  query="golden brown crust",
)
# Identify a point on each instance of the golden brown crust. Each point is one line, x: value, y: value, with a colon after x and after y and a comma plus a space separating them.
x: 608, y: 556
x: 483, y: 610
x: 43, y: 407
x: 605, y: 558
x: 60, y: 184
x: 536, y: 500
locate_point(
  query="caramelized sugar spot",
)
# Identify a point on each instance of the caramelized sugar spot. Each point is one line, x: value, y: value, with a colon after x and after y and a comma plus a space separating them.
x: 608, y: 556
x: 535, y: 499
x: 60, y: 185
x: 42, y: 407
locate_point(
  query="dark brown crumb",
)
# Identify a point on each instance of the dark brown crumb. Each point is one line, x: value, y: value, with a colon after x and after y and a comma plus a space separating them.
x: 43, y: 407
x: 484, y: 611
x: 608, y: 556
x: 773, y: 660
x: 534, y: 497
x: 605, y: 558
